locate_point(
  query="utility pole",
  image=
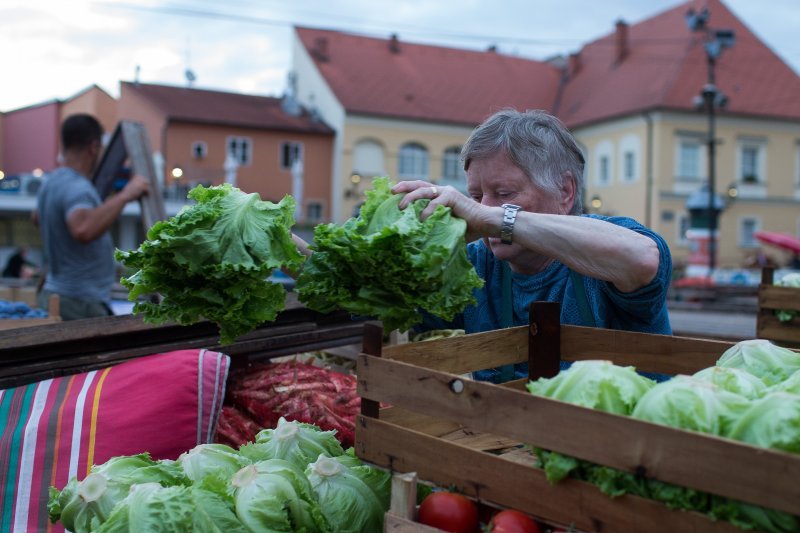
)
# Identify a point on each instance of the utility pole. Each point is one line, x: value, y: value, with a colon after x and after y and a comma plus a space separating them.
x: 710, y: 99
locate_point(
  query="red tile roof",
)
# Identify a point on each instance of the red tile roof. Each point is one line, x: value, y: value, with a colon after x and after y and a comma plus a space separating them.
x: 225, y: 108
x: 424, y: 82
x: 666, y: 67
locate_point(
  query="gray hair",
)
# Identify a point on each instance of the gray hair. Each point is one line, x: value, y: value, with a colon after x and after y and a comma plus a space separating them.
x: 536, y: 142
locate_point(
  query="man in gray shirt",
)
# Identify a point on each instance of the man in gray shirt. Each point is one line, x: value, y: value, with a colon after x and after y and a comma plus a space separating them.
x: 74, y: 223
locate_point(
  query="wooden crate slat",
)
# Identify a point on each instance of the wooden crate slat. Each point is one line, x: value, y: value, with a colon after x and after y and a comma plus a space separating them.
x: 769, y: 327
x: 419, y: 422
x: 465, y: 353
x: 776, y: 297
x: 682, y: 355
x: 679, y: 355
x: 690, y: 459
x: 511, y: 484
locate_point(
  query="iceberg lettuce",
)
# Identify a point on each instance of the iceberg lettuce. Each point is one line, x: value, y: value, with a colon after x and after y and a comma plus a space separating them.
x: 763, y: 359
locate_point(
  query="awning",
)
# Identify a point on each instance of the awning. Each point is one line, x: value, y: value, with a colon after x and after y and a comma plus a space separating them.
x: 781, y: 240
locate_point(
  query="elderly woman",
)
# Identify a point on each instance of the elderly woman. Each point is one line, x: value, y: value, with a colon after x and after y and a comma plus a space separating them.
x: 524, y: 178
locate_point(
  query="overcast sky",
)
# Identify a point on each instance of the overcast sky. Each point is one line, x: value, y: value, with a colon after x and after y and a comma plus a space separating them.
x: 55, y: 48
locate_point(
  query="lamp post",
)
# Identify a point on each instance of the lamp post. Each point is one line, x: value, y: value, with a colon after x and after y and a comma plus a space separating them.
x: 710, y: 99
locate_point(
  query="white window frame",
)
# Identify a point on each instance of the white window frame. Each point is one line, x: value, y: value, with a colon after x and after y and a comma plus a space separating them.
x: 452, y: 169
x: 741, y: 237
x: 295, y: 152
x: 759, y: 147
x: 629, y: 151
x: 680, y: 236
x: 691, y: 180
x: 413, y: 161
x: 604, y: 156
x: 797, y: 171
x: 242, y: 151
x: 369, y: 159
x: 199, y: 150
x: 312, y: 205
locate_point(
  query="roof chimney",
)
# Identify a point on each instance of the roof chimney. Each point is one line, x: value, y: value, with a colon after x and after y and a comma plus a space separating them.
x: 574, y: 63
x: 621, y: 41
x: 394, y: 44
x: 492, y: 49
x: 320, y: 50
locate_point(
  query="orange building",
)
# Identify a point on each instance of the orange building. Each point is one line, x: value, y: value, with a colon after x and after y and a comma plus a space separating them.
x: 272, y: 145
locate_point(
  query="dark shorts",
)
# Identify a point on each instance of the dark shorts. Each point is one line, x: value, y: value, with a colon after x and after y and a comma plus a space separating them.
x: 71, y: 308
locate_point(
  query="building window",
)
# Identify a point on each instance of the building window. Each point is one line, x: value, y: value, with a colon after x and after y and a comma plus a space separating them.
x: 291, y: 152
x: 682, y: 228
x: 752, y: 161
x: 603, y: 172
x: 451, y: 164
x: 689, y: 160
x: 199, y: 150
x: 241, y: 149
x: 748, y: 226
x: 629, y: 149
x: 413, y: 162
x: 628, y: 165
x: 602, y: 160
x: 313, y: 212
x: 797, y: 166
x: 368, y: 160
x: 749, y: 156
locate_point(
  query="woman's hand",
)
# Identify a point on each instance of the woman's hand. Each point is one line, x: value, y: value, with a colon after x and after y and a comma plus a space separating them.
x: 476, y: 215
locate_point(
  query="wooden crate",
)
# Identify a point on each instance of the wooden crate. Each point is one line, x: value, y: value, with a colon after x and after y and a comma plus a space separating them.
x: 770, y: 299
x: 52, y: 316
x: 455, y: 432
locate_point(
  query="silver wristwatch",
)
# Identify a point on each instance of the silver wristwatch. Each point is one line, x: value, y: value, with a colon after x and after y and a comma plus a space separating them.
x: 509, y: 217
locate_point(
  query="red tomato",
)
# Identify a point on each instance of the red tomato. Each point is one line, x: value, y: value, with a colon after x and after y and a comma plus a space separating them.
x: 449, y: 511
x: 512, y: 521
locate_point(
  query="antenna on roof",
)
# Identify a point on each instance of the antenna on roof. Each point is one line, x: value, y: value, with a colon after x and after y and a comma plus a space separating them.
x: 189, y: 73
x: 289, y: 102
x: 136, y: 72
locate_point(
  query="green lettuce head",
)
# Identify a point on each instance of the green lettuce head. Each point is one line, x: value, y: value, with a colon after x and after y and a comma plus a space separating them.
x: 275, y: 495
x: 771, y: 422
x: 86, y: 504
x: 789, y: 280
x: 218, y: 459
x: 353, y: 496
x: 211, y: 261
x: 763, y: 359
x: 733, y: 380
x: 293, y: 441
x: 598, y: 385
x: 388, y: 264
x: 692, y: 404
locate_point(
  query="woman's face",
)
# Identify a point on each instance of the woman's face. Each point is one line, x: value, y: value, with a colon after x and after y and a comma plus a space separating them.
x: 495, y: 181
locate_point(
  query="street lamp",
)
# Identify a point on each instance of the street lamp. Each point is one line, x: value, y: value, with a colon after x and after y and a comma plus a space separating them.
x: 710, y: 99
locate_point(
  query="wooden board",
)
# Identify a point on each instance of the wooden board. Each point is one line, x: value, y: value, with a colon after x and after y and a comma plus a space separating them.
x: 61, y: 348
x: 686, y: 458
x: 129, y: 142
x: 492, y: 478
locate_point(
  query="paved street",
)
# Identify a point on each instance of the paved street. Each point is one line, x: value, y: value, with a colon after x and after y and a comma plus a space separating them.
x: 715, y: 324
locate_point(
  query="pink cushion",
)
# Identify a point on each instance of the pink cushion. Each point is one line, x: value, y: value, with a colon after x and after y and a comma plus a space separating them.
x: 55, y: 429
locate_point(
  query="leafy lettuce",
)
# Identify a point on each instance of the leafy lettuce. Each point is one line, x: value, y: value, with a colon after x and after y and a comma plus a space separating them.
x: 388, y: 264
x: 212, y: 260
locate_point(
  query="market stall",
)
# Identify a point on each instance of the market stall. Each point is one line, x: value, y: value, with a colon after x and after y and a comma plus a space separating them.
x: 778, y: 307
x: 474, y: 436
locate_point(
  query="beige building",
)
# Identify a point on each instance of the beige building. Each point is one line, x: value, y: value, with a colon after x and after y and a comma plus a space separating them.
x: 403, y: 110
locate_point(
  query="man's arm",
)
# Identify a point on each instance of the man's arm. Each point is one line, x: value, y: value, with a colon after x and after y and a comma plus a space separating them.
x: 86, y: 225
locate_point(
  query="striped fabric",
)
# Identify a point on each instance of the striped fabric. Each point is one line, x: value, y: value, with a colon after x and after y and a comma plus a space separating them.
x: 53, y: 430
